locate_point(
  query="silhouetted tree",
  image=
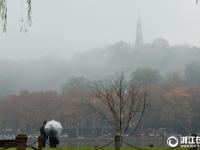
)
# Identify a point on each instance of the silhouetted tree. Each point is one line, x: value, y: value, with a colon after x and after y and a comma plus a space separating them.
x: 121, y: 104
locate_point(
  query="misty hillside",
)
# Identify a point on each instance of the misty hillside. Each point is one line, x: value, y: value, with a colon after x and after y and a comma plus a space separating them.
x: 125, y: 57
x: 50, y: 73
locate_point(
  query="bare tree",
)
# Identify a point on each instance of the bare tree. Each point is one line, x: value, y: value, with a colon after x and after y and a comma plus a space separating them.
x: 120, y: 103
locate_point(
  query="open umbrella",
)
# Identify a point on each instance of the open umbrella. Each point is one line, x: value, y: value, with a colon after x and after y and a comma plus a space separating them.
x: 53, y: 126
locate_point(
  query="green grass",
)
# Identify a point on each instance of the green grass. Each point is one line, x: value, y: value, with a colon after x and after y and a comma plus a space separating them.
x: 107, y: 148
x: 112, y: 148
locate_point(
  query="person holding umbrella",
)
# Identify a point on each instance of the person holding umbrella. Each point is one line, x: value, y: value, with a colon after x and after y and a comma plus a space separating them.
x: 43, y: 134
x: 53, y: 129
x: 53, y: 138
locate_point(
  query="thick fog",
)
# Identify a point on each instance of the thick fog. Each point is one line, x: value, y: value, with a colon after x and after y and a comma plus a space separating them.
x: 95, y: 38
x: 65, y: 27
x: 74, y: 51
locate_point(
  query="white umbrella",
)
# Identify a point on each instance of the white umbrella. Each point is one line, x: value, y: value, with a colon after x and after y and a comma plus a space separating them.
x: 53, y: 126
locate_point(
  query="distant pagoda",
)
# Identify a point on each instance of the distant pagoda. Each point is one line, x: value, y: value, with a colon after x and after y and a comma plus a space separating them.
x: 139, y: 36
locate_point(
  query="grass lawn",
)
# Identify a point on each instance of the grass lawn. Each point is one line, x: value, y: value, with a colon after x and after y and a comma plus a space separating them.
x: 107, y: 148
x: 112, y: 148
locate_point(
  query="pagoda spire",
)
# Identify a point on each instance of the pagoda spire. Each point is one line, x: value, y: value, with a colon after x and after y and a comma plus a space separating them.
x: 139, y: 36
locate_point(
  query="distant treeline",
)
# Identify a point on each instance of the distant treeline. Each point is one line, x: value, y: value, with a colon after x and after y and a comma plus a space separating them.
x: 173, y: 104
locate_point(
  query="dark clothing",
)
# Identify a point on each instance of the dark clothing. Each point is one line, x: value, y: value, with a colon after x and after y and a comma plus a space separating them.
x: 53, y: 139
x: 43, y: 135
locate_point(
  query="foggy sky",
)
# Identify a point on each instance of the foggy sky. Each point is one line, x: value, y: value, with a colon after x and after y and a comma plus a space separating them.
x: 65, y: 27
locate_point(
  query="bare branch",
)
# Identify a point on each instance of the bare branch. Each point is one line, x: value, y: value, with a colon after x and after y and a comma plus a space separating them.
x: 120, y: 104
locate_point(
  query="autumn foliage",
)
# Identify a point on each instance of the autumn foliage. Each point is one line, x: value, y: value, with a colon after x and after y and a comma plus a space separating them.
x: 172, y: 105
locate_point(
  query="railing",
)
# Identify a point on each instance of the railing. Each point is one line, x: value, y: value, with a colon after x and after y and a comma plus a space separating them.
x: 20, y: 142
